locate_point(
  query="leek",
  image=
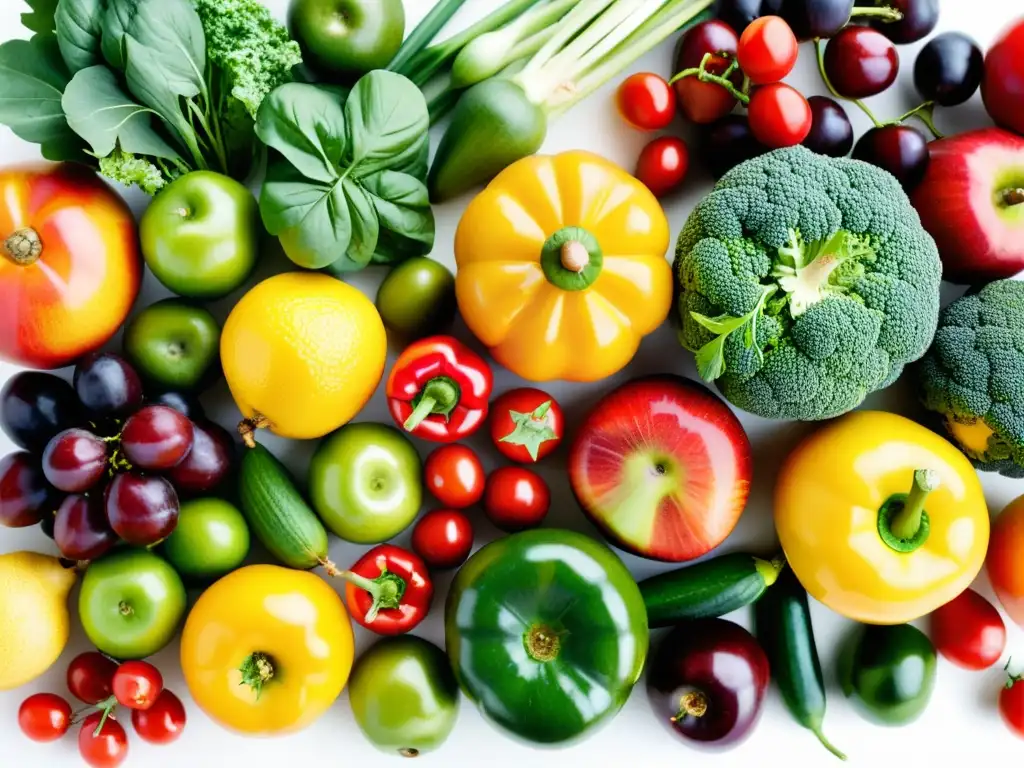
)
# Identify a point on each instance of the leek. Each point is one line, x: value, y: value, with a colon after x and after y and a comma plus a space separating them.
x: 424, y: 33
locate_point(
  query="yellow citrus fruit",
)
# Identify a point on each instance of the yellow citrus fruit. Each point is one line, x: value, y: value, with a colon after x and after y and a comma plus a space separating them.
x: 303, y: 350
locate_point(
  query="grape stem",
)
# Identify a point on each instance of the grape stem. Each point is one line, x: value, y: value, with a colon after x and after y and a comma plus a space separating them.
x: 820, y: 54
x: 925, y: 113
x: 702, y: 74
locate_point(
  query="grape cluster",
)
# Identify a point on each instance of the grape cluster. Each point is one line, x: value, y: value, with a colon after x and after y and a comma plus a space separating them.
x: 101, y: 462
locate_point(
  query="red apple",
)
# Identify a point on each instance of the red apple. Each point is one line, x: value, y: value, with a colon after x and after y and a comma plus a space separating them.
x: 1002, y: 87
x: 971, y: 200
x: 662, y: 467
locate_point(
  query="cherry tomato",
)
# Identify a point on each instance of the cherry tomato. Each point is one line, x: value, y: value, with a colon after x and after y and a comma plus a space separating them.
x: 646, y: 101
x: 701, y: 102
x: 969, y: 631
x: 443, y: 538
x: 779, y: 115
x: 44, y: 717
x: 768, y: 50
x: 163, y: 722
x: 1004, y: 564
x: 1011, y: 704
x: 108, y: 748
x: 454, y: 474
x: 137, y: 684
x: 91, y: 677
x: 516, y: 499
x: 662, y: 165
x: 526, y: 424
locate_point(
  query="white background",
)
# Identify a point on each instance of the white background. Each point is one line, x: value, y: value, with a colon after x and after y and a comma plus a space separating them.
x: 961, y: 726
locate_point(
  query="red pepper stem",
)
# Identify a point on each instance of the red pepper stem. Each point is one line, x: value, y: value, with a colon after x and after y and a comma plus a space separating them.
x: 439, y: 396
x: 386, y: 590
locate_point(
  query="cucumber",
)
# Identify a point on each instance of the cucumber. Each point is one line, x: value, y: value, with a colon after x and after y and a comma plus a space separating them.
x: 708, y: 589
x: 782, y: 623
x: 277, y: 513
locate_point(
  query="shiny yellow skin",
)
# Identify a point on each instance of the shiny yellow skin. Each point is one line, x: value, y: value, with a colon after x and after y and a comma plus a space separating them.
x: 297, y: 619
x: 34, y: 620
x: 826, y: 512
x: 304, y: 350
x: 532, y: 327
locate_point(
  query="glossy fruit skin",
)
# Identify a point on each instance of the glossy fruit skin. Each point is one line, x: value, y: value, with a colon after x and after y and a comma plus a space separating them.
x: 443, y: 538
x: 207, y: 464
x: 294, y: 617
x: 510, y: 596
x: 704, y: 102
x: 888, y: 672
x: 861, y: 62
x: 417, y: 298
x: 662, y: 165
x: 163, y: 722
x: 767, y: 50
x: 729, y: 142
x: 25, y: 496
x: 919, y: 19
x: 723, y: 664
x: 646, y: 101
x: 1002, y: 88
x: 968, y: 631
x: 131, y: 603
x: 91, y: 677
x: 106, y: 750
x: 156, y: 438
x: 183, y: 403
x: 1003, y: 564
x: 1011, y: 705
x: 404, y: 696
x: 364, y: 482
x: 343, y: 39
x: 201, y: 236
x: 77, y: 284
x: 516, y: 499
x: 44, y: 717
x: 675, y: 418
x: 779, y: 115
x: 81, y: 530
x: 35, y: 406
x: 210, y: 540
x: 174, y: 344
x: 548, y: 430
x: 74, y: 460
x: 902, y: 150
x: 816, y: 18
x: 949, y: 69
x: 739, y: 13
x: 107, y: 385
x: 142, y: 509
x: 831, y: 131
x: 454, y: 476
x: 408, y: 607
x: 137, y: 684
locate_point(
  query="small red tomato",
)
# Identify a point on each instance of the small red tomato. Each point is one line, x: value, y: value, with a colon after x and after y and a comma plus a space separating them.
x: 106, y: 748
x: 527, y: 424
x: 1011, y: 704
x: 969, y: 631
x: 163, y: 722
x: 91, y: 677
x: 702, y: 102
x: 137, y: 684
x: 779, y: 115
x: 443, y: 538
x: 646, y: 101
x: 44, y: 717
x: 516, y: 499
x: 768, y: 50
x: 454, y: 474
x: 662, y: 165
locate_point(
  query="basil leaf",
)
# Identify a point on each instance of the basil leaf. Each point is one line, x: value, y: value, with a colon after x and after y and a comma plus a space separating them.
x: 40, y: 18
x: 307, y: 126
x: 79, y: 32
x: 407, y: 225
x: 114, y: 26
x: 99, y: 111
x: 32, y: 80
x: 386, y: 117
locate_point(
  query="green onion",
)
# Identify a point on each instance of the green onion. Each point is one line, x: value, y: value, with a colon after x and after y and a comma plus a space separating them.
x: 424, y: 33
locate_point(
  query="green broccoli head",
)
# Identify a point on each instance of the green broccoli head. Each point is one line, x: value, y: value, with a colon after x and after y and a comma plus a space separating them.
x: 804, y: 283
x: 973, y: 376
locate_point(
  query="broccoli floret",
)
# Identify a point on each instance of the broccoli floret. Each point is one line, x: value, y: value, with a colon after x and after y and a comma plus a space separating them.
x: 805, y: 283
x: 973, y: 376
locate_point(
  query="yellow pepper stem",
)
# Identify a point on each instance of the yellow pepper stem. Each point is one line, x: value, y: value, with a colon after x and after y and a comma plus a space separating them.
x: 257, y: 670
x: 902, y: 521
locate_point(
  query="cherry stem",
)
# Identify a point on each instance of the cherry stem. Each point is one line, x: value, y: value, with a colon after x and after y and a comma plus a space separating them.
x: 884, y: 14
x: 925, y: 113
x: 702, y: 74
x: 692, y: 703
x: 820, y: 54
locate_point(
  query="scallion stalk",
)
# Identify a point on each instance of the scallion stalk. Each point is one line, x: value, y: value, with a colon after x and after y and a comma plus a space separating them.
x: 424, y: 34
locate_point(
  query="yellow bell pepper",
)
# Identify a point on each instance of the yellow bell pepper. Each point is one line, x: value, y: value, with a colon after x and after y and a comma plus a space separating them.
x: 561, y: 267
x: 881, y: 519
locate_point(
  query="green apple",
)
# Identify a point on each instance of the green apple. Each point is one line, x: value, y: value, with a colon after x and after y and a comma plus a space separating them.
x: 365, y: 481
x: 174, y: 344
x: 211, y: 539
x: 201, y: 235
x: 347, y: 38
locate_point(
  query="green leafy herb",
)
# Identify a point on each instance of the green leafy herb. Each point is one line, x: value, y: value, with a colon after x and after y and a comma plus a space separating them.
x: 40, y: 18
x: 32, y: 79
x: 78, y: 25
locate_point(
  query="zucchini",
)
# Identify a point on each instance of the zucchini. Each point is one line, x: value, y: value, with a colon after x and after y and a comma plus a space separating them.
x: 708, y: 589
x: 277, y: 513
x: 782, y: 623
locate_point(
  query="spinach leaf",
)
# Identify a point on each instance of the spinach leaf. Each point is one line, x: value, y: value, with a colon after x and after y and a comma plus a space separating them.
x: 104, y: 115
x: 386, y: 119
x: 78, y: 24
x: 365, y: 225
x: 116, y: 20
x: 32, y: 80
x: 307, y: 126
x: 402, y: 204
x: 40, y: 18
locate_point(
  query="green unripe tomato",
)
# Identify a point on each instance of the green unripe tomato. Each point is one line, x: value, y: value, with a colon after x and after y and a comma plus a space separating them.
x: 211, y: 539
x: 417, y: 298
x: 345, y: 39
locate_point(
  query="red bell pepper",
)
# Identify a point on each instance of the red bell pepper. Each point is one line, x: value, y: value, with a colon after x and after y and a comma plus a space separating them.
x: 389, y: 590
x: 439, y: 389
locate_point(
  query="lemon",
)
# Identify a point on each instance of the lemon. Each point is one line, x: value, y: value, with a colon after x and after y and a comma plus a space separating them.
x: 33, y: 615
x: 302, y: 353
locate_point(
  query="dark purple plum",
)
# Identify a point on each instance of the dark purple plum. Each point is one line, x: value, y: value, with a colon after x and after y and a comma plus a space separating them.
x: 183, y: 404
x: 35, y: 406
x: 949, y: 69
x: 831, y: 132
x: 107, y: 385
x: 902, y: 150
x: 729, y: 142
x: 919, y: 19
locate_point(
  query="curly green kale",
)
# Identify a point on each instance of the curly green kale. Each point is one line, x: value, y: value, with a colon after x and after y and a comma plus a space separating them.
x: 804, y: 284
x: 128, y: 169
x: 973, y: 376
